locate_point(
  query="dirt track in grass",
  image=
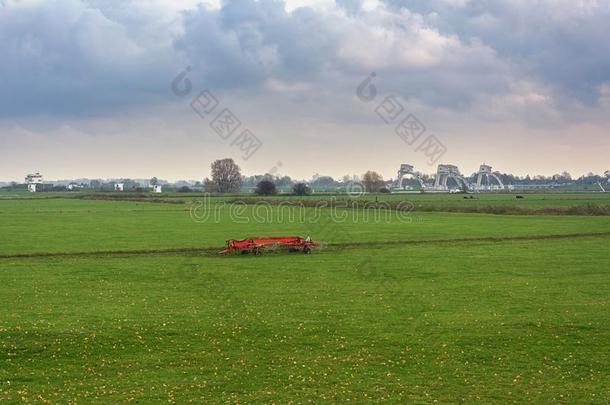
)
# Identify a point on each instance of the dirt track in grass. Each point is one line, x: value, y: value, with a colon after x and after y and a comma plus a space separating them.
x: 331, y: 246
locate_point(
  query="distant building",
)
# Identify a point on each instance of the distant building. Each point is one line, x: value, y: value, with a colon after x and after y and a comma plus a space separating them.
x: 34, y: 182
x: 73, y: 186
x: 405, y: 173
x: 446, y: 172
x: 157, y: 188
x: 485, y: 172
x: 119, y: 186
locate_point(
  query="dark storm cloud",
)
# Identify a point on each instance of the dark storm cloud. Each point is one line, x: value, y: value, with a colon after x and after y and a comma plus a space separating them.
x: 247, y: 42
x: 65, y: 57
x: 78, y: 58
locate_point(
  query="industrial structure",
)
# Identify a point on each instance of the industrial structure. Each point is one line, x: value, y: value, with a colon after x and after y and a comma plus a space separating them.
x: 446, y: 172
x: 485, y: 172
x: 404, y: 172
x: 449, y: 179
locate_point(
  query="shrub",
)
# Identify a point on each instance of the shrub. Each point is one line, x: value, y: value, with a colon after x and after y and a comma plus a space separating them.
x: 301, y: 189
x: 265, y: 188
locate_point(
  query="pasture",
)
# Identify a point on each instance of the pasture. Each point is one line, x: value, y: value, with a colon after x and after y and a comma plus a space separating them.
x: 121, y: 301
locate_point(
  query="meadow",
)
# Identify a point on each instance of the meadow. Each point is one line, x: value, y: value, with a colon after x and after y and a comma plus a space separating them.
x: 128, y: 301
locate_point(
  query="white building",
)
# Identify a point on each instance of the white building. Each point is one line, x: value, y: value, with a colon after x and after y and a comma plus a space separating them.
x: 157, y: 188
x: 34, y: 182
x: 119, y: 186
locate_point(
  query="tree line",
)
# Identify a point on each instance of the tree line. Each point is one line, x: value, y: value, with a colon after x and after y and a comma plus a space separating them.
x: 226, y: 177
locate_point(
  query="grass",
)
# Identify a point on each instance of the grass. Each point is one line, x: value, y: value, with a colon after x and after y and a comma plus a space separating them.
x: 497, y: 207
x: 57, y: 225
x: 436, y: 318
x: 555, y: 199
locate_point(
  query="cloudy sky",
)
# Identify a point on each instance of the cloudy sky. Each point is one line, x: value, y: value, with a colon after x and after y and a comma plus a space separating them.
x: 101, y: 88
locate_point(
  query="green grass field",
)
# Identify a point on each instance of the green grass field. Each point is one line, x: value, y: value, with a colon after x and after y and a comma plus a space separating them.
x: 117, y: 301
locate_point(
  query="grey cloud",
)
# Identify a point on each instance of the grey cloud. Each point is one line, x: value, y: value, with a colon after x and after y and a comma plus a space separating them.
x: 350, y: 6
x: 562, y: 44
x: 76, y: 58
x: 66, y: 57
x: 247, y: 42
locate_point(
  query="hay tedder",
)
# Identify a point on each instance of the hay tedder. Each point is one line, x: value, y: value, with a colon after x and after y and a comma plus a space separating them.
x: 257, y: 246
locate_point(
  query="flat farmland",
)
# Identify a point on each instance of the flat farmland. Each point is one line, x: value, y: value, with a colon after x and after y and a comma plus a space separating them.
x: 73, y: 225
x: 112, y: 301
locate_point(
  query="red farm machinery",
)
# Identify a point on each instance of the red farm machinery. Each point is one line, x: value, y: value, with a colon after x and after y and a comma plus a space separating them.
x: 257, y: 246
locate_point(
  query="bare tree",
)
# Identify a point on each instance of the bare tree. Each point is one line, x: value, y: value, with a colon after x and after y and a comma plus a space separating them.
x: 226, y: 176
x: 372, y: 181
x: 209, y: 186
x: 154, y: 181
x: 348, y: 178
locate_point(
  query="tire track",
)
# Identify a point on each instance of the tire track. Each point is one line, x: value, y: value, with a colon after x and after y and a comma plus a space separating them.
x: 213, y: 251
